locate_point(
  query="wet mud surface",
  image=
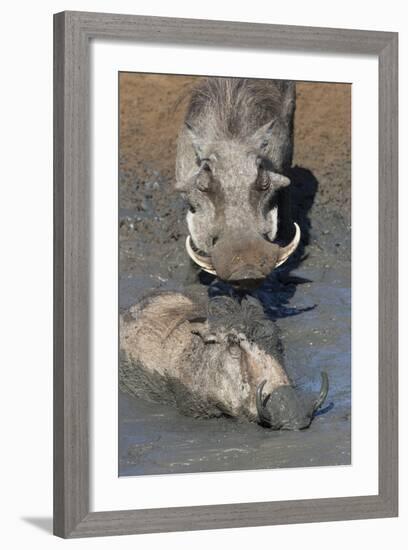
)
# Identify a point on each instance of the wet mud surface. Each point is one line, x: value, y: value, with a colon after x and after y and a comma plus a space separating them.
x: 310, y: 298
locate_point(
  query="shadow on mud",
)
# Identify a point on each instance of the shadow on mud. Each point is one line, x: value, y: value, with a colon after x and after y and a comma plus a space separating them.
x: 280, y: 286
x: 324, y: 410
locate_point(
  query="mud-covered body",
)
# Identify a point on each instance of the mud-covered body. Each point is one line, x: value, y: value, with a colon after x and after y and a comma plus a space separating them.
x: 207, y: 359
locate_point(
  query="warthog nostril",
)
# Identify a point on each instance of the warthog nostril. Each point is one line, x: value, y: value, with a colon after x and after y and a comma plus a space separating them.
x: 214, y: 241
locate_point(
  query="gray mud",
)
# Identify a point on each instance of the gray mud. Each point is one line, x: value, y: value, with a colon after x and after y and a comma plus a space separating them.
x: 310, y: 298
x: 311, y: 302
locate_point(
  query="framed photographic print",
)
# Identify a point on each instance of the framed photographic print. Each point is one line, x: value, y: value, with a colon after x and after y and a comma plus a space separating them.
x: 225, y: 274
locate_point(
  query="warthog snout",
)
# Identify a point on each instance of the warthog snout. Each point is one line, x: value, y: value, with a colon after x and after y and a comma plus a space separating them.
x: 243, y: 261
x: 284, y: 409
x: 250, y: 259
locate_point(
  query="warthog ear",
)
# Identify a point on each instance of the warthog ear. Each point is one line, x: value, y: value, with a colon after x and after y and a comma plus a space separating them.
x: 261, y: 137
x: 195, y: 140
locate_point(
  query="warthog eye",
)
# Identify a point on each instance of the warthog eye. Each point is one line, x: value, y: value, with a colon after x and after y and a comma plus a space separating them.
x: 204, y: 176
x: 205, y: 164
x: 202, y: 184
x: 264, y: 163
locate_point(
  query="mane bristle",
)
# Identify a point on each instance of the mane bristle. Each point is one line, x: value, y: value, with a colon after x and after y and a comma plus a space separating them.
x: 236, y: 107
x: 248, y: 317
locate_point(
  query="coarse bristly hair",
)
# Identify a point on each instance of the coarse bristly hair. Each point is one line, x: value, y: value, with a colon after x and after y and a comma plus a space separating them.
x: 236, y: 107
x: 248, y: 317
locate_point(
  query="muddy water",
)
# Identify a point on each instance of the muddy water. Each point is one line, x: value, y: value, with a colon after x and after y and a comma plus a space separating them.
x: 156, y: 439
x: 310, y: 301
x: 310, y: 298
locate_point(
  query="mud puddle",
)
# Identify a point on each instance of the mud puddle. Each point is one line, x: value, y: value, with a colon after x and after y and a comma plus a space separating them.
x: 309, y: 299
x: 311, y: 302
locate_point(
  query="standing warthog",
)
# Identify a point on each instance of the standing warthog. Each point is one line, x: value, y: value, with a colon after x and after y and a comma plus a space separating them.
x: 222, y: 358
x: 233, y: 153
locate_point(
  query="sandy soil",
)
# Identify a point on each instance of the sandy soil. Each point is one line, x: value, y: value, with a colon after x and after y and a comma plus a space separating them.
x: 152, y: 109
x: 310, y: 297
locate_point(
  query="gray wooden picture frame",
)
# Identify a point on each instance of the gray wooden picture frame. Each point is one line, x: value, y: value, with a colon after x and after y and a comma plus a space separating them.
x: 72, y: 34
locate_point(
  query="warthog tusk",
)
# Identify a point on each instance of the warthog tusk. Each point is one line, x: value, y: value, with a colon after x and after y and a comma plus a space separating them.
x: 205, y: 263
x: 288, y: 250
x: 324, y: 390
x: 263, y: 416
x: 202, y: 261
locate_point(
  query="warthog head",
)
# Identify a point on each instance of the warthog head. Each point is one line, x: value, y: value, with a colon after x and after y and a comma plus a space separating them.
x: 232, y: 156
x: 244, y: 330
x: 283, y: 409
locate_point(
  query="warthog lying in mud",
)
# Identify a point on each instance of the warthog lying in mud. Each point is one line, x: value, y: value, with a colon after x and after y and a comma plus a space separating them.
x: 217, y: 358
x: 232, y: 156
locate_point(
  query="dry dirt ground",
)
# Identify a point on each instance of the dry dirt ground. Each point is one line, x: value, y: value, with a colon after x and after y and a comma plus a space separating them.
x: 152, y: 109
x: 310, y: 298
